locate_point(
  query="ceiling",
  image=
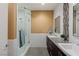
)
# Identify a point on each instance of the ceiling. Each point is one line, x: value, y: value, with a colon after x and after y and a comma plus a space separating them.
x: 38, y: 6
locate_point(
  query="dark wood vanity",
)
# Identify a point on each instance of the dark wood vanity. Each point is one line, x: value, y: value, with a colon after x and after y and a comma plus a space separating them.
x: 53, y: 50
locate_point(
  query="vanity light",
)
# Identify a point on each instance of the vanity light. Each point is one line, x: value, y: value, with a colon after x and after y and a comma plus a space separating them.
x: 74, y: 3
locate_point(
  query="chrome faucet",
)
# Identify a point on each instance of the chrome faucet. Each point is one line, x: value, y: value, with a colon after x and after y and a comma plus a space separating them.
x: 66, y: 38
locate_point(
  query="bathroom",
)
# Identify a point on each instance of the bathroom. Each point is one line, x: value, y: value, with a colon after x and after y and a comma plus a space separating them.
x: 40, y: 29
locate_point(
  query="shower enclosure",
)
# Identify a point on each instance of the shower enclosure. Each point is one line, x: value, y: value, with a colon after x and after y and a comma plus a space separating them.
x: 22, y: 29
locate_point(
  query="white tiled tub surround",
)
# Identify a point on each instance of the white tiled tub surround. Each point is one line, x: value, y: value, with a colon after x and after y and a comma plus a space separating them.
x: 13, y: 48
x: 38, y: 39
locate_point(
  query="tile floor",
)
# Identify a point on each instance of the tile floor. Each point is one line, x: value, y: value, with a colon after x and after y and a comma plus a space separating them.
x: 37, y: 51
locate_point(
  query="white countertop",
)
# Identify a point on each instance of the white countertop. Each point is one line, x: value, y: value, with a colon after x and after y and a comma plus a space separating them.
x: 70, y: 49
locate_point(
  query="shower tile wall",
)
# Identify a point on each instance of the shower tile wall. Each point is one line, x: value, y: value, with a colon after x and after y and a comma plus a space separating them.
x: 66, y: 20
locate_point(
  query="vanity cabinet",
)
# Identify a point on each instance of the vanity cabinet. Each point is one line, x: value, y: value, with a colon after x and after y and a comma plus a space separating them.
x: 53, y: 50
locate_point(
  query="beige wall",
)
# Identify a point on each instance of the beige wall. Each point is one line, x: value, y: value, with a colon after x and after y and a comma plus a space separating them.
x: 11, y: 21
x: 41, y: 21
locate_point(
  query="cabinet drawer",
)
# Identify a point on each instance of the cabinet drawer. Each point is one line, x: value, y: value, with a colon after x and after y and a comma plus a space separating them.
x: 53, y: 49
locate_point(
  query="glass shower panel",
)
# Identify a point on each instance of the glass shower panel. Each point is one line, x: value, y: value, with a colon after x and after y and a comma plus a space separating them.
x: 22, y: 28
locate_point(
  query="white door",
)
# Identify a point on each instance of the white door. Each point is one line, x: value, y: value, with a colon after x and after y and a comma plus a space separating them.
x: 3, y: 28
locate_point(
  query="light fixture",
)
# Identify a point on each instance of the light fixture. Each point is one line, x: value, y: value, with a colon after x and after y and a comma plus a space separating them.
x: 42, y: 3
x: 74, y: 3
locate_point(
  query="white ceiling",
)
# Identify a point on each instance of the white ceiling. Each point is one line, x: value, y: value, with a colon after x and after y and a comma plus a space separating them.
x: 38, y: 6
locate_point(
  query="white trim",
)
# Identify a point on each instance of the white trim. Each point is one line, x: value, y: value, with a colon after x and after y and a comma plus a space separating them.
x: 23, y: 54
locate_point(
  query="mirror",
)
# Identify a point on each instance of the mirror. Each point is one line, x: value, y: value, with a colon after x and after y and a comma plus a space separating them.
x: 57, y: 24
x: 76, y: 20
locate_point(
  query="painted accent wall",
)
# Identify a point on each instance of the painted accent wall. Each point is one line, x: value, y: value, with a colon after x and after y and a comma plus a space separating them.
x: 12, y: 21
x: 41, y: 21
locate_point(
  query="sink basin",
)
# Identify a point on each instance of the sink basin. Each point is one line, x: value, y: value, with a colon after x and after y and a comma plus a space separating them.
x: 66, y: 45
x: 70, y: 48
x: 53, y: 36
